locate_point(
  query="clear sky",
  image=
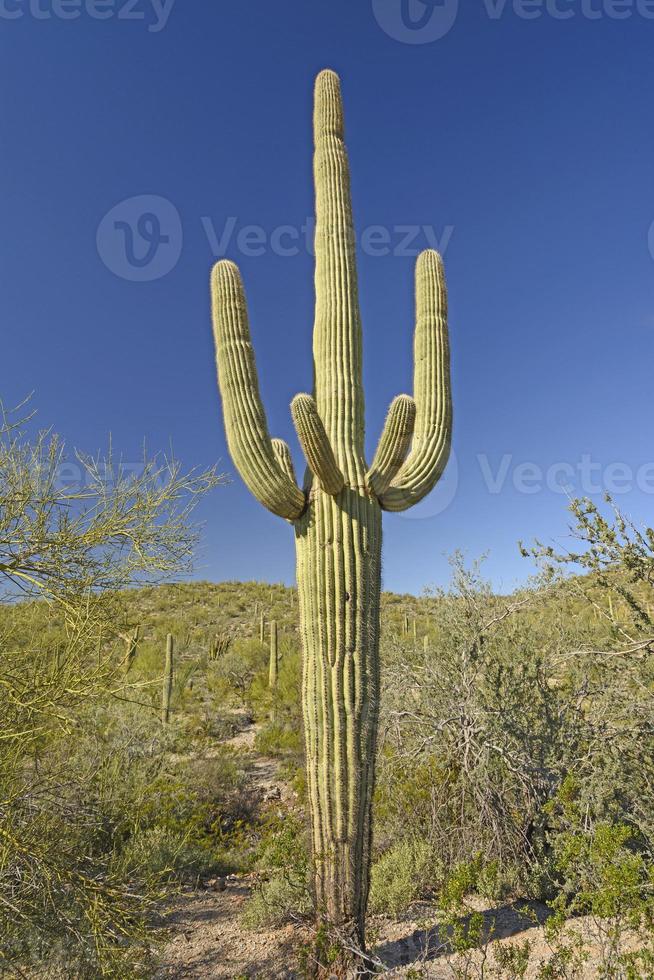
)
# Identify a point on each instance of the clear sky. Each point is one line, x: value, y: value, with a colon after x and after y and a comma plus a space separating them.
x: 519, y: 135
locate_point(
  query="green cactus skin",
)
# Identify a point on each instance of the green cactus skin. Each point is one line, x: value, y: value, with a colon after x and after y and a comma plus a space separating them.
x: 262, y: 629
x: 167, y: 688
x: 337, y: 518
x: 273, y: 670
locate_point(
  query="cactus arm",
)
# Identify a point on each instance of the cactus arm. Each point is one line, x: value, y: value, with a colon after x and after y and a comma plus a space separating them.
x: 337, y: 329
x: 432, y: 391
x: 284, y: 458
x: 315, y: 444
x: 245, y: 421
x: 393, y: 445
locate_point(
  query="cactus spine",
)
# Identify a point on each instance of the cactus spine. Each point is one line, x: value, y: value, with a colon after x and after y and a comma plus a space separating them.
x: 167, y: 689
x: 274, y: 656
x: 337, y: 518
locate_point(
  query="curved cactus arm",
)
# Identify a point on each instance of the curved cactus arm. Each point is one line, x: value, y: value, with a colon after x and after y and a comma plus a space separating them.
x: 432, y: 391
x: 393, y: 445
x: 315, y: 444
x: 284, y: 458
x: 245, y: 421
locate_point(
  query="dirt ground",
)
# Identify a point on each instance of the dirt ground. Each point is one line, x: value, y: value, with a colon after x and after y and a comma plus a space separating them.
x: 208, y: 941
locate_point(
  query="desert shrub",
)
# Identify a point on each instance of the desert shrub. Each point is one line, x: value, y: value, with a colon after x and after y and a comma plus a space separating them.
x: 70, y: 898
x: 474, y: 736
x: 159, y: 853
x: 231, y: 677
x: 277, y: 738
x: 65, y: 902
x: 406, y: 872
x: 282, y: 891
x: 604, y: 873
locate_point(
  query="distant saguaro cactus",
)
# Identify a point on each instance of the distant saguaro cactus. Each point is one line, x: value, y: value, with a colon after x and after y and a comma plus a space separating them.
x: 167, y: 689
x: 337, y: 516
x: 218, y: 646
x: 273, y: 669
x: 262, y: 628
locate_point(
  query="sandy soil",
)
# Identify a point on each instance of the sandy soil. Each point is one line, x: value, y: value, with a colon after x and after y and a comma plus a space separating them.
x: 208, y: 941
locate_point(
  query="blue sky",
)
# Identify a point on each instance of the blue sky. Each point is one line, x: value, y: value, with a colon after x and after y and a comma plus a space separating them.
x: 522, y: 139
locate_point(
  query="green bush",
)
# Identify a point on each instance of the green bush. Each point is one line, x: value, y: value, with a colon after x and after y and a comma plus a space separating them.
x: 282, y: 892
x: 161, y: 853
x: 276, y: 739
x: 406, y: 872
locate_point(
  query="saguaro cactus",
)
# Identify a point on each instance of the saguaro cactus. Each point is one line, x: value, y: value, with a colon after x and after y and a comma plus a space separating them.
x: 337, y: 516
x: 167, y: 687
x: 273, y: 669
x: 218, y: 646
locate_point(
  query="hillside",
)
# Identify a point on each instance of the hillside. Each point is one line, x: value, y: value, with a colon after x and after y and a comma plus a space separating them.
x: 494, y: 723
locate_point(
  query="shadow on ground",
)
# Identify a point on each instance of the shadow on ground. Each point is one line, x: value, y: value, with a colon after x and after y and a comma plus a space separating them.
x: 428, y: 944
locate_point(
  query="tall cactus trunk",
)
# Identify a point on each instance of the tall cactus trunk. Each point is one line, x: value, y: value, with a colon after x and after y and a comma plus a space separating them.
x: 339, y: 590
x: 337, y: 514
x: 167, y: 686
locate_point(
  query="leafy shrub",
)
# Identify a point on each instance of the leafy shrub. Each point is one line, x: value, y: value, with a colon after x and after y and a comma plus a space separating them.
x: 405, y: 873
x: 605, y: 874
x: 160, y: 853
x: 276, y: 739
x: 282, y: 892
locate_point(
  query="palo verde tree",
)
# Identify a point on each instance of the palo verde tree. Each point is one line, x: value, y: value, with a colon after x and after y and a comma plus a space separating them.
x: 337, y: 514
x: 75, y: 545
